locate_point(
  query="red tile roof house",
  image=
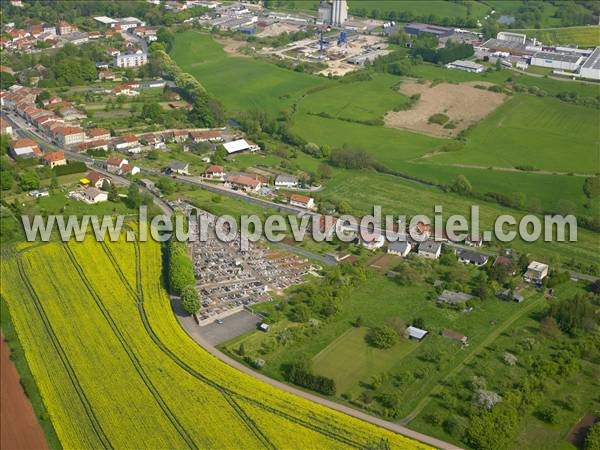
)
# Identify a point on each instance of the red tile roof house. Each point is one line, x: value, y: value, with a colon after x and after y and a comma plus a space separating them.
x: 302, y: 201
x: 24, y: 148
x: 203, y: 136
x: 180, y: 135
x: 69, y: 135
x: 125, y: 142
x: 243, y: 182
x: 128, y: 169
x: 100, y: 144
x: 96, y: 179
x: 215, y: 172
x: 94, y: 134
x: 54, y: 159
x: 114, y: 163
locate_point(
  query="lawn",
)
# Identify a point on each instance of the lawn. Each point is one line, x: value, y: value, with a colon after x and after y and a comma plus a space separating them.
x: 240, y: 83
x: 349, y: 359
x: 537, y: 132
x: 588, y: 36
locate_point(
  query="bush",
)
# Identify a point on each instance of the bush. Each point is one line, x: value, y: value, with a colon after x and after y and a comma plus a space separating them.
x: 300, y: 374
x: 72, y: 167
x: 190, y: 300
x: 382, y: 337
x: 181, y: 269
x: 439, y: 118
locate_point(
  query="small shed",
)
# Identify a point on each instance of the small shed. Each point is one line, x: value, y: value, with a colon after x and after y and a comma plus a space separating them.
x: 415, y: 333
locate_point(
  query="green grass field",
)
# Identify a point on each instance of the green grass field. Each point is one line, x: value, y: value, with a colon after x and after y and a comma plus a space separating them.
x: 92, y: 345
x: 349, y: 359
x: 239, y: 83
x: 541, y: 132
x: 582, y: 36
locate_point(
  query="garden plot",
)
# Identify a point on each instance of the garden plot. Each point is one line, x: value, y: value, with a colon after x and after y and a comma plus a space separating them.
x: 444, y: 109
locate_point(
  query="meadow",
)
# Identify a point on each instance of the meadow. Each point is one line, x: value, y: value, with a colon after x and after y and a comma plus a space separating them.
x: 240, y: 83
x: 544, y: 133
x: 588, y: 36
x: 84, y: 338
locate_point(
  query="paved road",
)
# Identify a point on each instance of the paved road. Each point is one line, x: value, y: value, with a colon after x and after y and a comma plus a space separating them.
x: 192, y: 329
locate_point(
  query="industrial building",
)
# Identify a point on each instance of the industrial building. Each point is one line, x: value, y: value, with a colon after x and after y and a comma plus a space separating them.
x: 333, y: 12
x: 512, y: 37
x: 466, y: 66
x: 591, y: 67
x: 417, y: 29
x: 558, y: 61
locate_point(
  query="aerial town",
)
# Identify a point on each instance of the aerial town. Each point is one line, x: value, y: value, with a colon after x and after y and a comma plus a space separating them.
x: 470, y: 320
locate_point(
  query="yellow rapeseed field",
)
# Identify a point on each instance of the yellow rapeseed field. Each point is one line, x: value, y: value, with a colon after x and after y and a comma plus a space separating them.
x: 116, y: 370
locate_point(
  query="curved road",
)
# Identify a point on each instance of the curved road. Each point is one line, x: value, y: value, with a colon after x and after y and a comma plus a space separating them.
x: 191, y: 328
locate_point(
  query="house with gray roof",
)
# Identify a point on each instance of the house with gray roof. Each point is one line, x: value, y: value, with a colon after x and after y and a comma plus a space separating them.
x: 400, y: 248
x: 453, y: 297
x: 471, y: 257
x: 286, y: 181
x: 430, y: 249
x: 178, y: 167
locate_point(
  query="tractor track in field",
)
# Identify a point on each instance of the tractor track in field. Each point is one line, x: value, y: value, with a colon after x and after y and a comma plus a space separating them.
x: 130, y: 353
x: 139, y: 294
x: 91, y: 415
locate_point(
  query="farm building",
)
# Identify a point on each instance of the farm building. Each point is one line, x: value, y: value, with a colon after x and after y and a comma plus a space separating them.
x: 453, y: 298
x: 471, y: 257
x: 466, y: 66
x: 243, y: 182
x: 591, y: 67
x: 24, y: 148
x: 559, y: 61
x: 430, y: 249
x: 536, y: 272
x: 240, y: 145
x: 415, y: 333
x: 455, y: 336
x: 286, y: 181
x: 400, y: 248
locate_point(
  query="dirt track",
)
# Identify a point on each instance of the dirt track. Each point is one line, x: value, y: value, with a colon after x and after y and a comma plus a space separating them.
x: 19, y: 428
x: 463, y: 103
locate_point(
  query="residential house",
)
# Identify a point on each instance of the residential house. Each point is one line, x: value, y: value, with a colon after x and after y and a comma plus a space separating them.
x: 24, y: 148
x: 128, y: 169
x: 455, y: 336
x: 94, y: 195
x: 474, y: 240
x: 100, y: 144
x: 430, y: 249
x: 327, y: 226
x: 179, y: 136
x: 111, y: 51
x: 5, y: 127
x: 400, y: 248
x: 106, y: 75
x: 178, y: 167
x: 505, y: 261
x: 536, y: 272
x: 54, y: 159
x: 68, y: 135
x: 97, y: 134
x: 415, y: 333
x: 95, y: 179
x: 286, y: 181
x: 215, y: 173
x: 114, y: 163
x: 126, y: 142
x: 94, y: 35
x: 453, y: 298
x: 371, y: 240
x: 243, y: 182
x: 471, y: 257
x: 302, y: 201
x: 152, y: 141
x: 76, y: 38
x: 125, y: 90
x: 63, y: 27
x: 206, y: 136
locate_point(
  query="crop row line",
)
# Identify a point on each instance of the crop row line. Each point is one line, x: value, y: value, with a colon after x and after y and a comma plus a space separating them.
x: 130, y: 353
x: 62, y: 355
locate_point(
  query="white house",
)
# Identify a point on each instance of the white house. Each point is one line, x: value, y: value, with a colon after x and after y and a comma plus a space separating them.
x: 371, y: 241
x: 95, y: 195
x: 536, y: 272
x: 400, y: 248
x: 179, y: 168
x: 215, y: 172
x: 430, y: 249
x: 302, y: 201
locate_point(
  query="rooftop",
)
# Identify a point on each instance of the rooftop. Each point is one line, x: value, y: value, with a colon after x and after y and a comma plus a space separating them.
x: 557, y: 57
x: 593, y: 62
